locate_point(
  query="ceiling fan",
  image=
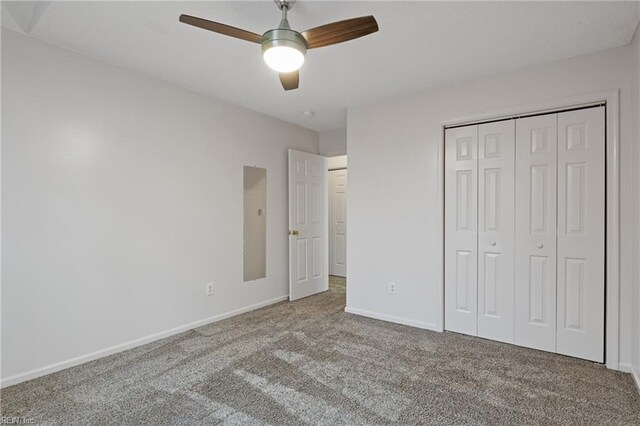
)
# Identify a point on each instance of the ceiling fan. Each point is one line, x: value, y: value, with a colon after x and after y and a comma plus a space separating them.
x: 284, y: 49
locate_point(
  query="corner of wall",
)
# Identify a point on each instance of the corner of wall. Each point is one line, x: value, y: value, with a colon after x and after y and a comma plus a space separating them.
x: 635, y: 356
x: 333, y: 142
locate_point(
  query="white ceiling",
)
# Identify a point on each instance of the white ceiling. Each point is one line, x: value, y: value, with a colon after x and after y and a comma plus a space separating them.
x: 419, y: 45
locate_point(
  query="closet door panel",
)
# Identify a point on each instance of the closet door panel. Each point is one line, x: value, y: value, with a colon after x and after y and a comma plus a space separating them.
x: 496, y: 145
x: 461, y: 233
x: 535, y: 232
x: 581, y: 233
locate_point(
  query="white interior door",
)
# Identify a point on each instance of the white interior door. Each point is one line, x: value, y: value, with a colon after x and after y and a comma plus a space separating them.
x: 338, y: 222
x: 535, y: 251
x: 581, y: 233
x: 308, y: 224
x: 496, y: 146
x: 461, y: 209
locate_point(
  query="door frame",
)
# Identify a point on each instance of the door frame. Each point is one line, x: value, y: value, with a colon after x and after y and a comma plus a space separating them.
x: 612, y: 199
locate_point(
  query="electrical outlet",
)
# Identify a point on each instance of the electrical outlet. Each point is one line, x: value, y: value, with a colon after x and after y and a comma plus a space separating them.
x: 208, y: 289
x: 392, y: 287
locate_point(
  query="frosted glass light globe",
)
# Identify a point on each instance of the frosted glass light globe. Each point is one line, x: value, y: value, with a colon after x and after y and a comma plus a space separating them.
x: 283, y: 58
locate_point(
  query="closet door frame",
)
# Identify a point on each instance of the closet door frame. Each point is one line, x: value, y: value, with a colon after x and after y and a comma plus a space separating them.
x: 610, y: 98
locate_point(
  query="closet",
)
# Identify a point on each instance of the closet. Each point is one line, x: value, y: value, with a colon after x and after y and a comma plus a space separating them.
x: 525, y: 231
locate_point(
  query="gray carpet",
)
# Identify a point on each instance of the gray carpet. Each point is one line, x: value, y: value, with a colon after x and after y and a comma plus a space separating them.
x: 308, y: 362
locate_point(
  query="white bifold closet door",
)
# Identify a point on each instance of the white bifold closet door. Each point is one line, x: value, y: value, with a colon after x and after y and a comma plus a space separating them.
x: 461, y: 230
x: 496, y: 150
x: 581, y: 233
x: 535, y: 264
x: 479, y: 203
x: 560, y: 206
x: 525, y: 231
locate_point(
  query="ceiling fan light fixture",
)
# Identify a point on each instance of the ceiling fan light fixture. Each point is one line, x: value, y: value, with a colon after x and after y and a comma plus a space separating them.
x: 283, y: 50
x: 283, y: 58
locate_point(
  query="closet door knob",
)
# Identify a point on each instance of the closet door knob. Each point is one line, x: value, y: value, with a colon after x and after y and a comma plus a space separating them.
x: 493, y: 243
x: 539, y: 245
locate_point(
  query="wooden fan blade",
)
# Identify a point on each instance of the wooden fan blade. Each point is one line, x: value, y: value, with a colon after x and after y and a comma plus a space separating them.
x: 221, y: 28
x: 290, y: 80
x: 339, y: 32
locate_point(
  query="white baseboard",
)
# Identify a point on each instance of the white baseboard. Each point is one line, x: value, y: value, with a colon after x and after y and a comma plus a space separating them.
x: 38, y: 372
x: 391, y: 318
x: 623, y: 366
x: 636, y: 376
x: 634, y: 371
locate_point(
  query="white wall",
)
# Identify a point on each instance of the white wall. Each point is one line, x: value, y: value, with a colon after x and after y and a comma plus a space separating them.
x: 121, y: 198
x: 333, y: 142
x: 394, y: 197
x: 636, y: 280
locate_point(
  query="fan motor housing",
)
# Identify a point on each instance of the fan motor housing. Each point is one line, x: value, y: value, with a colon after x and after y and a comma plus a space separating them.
x: 284, y: 37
